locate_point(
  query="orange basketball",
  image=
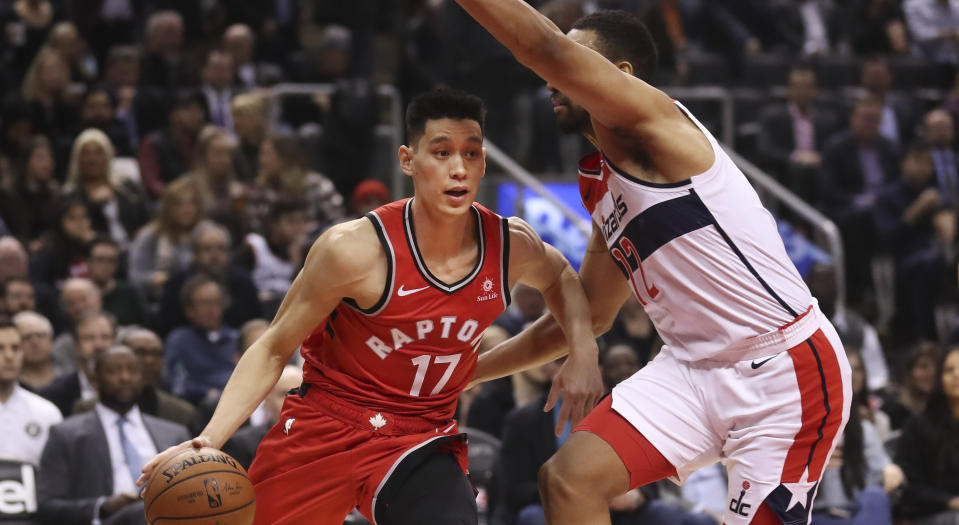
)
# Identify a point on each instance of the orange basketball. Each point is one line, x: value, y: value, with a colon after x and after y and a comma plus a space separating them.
x: 199, y: 487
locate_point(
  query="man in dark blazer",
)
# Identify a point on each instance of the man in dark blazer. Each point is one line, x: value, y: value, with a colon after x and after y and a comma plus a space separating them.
x: 857, y: 164
x: 90, y: 462
x: 792, y: 135
x: 93, y: 333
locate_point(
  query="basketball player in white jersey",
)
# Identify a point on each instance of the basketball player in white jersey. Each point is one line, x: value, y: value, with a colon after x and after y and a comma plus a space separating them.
x: 751, y: 373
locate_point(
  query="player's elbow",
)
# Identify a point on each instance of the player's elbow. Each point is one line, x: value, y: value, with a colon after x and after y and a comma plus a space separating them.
x: 602, y: 323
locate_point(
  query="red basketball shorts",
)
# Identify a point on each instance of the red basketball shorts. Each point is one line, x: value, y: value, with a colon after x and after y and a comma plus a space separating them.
x: 325, y: 457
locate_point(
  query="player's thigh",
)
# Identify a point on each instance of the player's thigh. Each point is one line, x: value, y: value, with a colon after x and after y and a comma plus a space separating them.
x: 305, y: 495
x: 437, y: 491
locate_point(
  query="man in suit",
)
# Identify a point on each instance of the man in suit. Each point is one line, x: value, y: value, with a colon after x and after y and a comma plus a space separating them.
x: 239, y: 43
x: 792, y: 134
x: 153, y: 401
x: 91, y: 460
x: 939, y: 132
x: 857, y: 164
x: 94, y: 332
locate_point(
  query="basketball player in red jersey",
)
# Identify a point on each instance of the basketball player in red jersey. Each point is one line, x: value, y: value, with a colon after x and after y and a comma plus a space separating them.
x: 752, y: 373
x: 390, y: 310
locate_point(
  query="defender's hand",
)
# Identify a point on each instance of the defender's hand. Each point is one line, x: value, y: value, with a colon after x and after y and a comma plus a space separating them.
x: 581, y: 384
x: 195, y: 443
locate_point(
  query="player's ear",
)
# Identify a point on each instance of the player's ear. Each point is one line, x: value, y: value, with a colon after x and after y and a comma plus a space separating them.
x: 625, y: 66
x: 405, y: 155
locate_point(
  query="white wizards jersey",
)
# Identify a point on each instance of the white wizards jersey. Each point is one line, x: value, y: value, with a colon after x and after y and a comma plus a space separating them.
x: 703, y: 256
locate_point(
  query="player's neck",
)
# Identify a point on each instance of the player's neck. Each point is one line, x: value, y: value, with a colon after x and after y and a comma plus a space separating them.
x: 441, y: 236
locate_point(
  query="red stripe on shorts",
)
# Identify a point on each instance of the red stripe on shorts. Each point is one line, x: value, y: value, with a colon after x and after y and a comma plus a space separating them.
x: 820, y: 388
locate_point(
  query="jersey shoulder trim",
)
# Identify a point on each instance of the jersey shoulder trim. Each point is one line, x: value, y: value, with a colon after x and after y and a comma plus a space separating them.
x: 377, y: 222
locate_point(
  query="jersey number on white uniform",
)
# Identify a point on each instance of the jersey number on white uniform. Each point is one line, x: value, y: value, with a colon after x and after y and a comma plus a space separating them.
x: 627, y: 256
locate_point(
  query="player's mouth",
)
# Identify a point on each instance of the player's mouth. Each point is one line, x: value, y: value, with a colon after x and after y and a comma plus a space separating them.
x: 456, y: 193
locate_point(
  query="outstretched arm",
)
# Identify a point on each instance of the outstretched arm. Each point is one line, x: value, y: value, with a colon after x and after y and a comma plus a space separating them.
x: 339, y: 260
x: 544, y: 341
x: 611, y: 95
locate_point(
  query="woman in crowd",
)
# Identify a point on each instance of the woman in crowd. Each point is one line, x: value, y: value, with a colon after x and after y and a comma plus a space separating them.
x: 919, y: 378
x: 45, y: 90
x: 928, y: 451
x: 163, y: 246
x: 65, y: 248
x: 223, y: 195
x: 25, y: 205
x: 117, y: 207
x: 284, y: 175
x: 859, y: 477
x: 863, y: 401
x: 251, y: 123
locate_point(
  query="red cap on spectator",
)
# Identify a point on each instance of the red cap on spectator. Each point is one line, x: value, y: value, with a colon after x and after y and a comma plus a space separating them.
x: 370, y: 189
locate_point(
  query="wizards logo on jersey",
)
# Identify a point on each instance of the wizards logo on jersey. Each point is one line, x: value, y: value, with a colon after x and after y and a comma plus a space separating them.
x: 613, y: 220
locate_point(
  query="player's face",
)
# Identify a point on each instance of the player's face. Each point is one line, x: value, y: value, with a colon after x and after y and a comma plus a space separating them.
x: 446, y: 164
x: 571, y: 117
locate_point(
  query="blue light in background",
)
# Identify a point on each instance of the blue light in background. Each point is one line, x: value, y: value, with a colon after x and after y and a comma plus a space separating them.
x: 546, y: 219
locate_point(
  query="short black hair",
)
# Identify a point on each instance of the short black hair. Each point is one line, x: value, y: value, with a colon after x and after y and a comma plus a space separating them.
x: 442, y: 103
x: 622, y: 36
x: 102, y: 238
x: 195, y: 282
x: 6, y: 323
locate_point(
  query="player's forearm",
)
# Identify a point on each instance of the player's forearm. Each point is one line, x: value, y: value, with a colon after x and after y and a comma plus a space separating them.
x: 254, y: 376
x: 538, y: 344
x: 516, y: 25
x: 570, y: 307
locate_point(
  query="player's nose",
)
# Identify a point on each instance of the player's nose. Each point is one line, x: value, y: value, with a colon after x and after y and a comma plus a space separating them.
x: 457, y: 167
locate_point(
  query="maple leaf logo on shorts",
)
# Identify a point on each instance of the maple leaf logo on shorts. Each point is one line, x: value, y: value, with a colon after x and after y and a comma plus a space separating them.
x: 377, y: 421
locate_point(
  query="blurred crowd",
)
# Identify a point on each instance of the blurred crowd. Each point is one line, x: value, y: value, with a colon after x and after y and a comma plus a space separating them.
x: 159, y: 190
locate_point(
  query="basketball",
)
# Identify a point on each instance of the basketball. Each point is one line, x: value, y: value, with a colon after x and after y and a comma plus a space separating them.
x: 199, y: 487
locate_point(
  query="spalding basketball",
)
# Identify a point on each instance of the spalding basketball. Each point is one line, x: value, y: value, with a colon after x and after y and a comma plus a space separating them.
x: 199, y: 487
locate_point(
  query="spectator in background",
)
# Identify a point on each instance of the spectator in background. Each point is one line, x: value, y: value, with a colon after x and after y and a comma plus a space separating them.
x: 934, y: 26
x: 857, y: 479
x: 162, y: 247
x: 26, y: 416
x: 121, y: 78
x: 211, y: 256
x: 864, y: 401
x: 14, y: 264
x: 65, y: 39
x: 242, y: 445
x: 17, y: 296
x: 87, y: 473
x: 45, y: 90
x: 168, y: 153
x: 928, y: 452
x: 939, y: 132
x: 274, y: 258
x: 223, y: 196
x: 853, y: 329
x: 633, y: 327
x: 367, y: 196
x: 618, y: 361
x: 792, y: 135
x: 117, y: 206
x: 217, y: 87
x: 284, y: 174
x: 26, y: 24
x: 152, y: 400
x: 251, y: 123
x: 898, y: 120
x: 36, y: 334
x: 239, y: 42
x: 25, y: 204
x: 857, y: 164
x: 199, y: 357
x: 877, y: 27
x: 94, y: 332
x: 64, y: 249
x: 919, y: 378
x: 17, y: 129
x: 78, y: 297
x: 912, y: 219
x: 118, y: 296
x: 104, y: 22
x: 527, y: 306
x: 165, y: 66
x: 97, y: 110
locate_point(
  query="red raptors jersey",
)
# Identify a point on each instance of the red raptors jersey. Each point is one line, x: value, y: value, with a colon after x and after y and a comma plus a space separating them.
x: 415, y: 350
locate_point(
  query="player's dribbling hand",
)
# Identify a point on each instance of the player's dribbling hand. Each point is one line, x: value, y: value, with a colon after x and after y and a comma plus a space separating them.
x: 581, y: 385
x: 196, y: 443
